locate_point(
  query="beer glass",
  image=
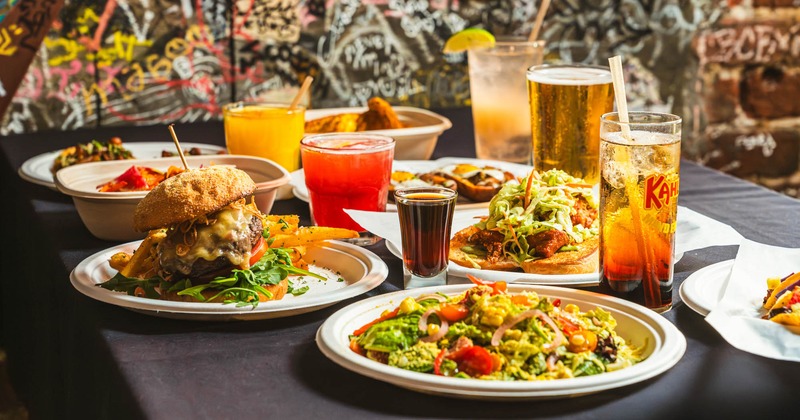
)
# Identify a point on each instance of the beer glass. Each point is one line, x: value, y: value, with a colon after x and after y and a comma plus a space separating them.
x: 639, y: 166
x: 499, y: 105
x: 426, y: 216
x: 566, y: 102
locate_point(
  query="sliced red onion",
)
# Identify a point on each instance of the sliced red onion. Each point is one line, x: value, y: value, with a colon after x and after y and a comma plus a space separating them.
x: 423, y: 320
x: 559, y: 338
x: 423, y: 326
x: 442, y: 331
x: 434, y: 296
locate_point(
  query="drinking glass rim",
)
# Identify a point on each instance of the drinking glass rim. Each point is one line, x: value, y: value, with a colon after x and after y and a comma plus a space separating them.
x: 672, y: 119
x: 451, y: 193
x: 387, y: 142
x: 233, y: 107
x: 532, y: 70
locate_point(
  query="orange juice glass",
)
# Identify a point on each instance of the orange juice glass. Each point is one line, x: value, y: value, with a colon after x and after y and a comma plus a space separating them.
x: 347, y: 171
x: 268, y: 130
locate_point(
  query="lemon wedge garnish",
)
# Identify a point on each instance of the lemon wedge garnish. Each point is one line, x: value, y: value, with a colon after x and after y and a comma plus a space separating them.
x: 468, y: 39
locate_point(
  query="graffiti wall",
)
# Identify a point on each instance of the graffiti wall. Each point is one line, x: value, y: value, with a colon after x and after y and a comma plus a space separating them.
x: 117, y: 62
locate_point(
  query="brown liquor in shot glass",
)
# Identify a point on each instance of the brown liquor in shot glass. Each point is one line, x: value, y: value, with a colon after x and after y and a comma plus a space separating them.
x: 426, y: 216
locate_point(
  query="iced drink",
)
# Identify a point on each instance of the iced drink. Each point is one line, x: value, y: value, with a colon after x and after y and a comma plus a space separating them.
x: 346, y: 171
x: 639, y: 206
x: 566, y: 102
x: 499, y: 99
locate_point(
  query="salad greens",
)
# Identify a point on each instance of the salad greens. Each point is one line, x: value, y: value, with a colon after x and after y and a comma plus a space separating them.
x: 539, y: 202
x: 240, y: 287
x: 486, y: 333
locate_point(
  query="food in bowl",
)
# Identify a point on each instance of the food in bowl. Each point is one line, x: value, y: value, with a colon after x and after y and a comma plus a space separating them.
x: 546, y: 224
x: 379, y: 116
x: 93, y: 151
x: 489, y: 334
x: 208, y: 242
x: 782, y: 302
x: 138, y: 178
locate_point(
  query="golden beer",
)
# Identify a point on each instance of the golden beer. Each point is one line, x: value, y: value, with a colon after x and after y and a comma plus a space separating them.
x: 566, y: 103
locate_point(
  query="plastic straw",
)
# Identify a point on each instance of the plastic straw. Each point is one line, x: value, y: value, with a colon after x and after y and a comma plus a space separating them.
x: 652, y: 293
x: 539, y: 19
x: 618, y: 79
x: 301, y: 92
x: 178, y: 146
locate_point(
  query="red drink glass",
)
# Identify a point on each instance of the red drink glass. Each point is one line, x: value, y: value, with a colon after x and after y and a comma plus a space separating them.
x: 347, y: 171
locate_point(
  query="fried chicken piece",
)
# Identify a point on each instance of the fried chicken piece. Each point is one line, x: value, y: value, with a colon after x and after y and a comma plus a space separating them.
x: 339, y: 123
x: 380, y: 116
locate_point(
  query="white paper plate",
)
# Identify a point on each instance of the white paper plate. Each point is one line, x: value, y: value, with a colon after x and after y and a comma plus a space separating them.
x: 360, y: 269
x: 703, y: 289
x: 37, y: 168
x: 661, y: 341
x: 420, y: 166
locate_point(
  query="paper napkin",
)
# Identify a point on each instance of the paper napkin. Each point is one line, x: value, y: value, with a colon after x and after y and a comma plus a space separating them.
x: 694, y: 231
x: 737, y: 317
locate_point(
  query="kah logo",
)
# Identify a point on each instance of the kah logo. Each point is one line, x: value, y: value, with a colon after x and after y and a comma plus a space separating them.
x: 659, y: 191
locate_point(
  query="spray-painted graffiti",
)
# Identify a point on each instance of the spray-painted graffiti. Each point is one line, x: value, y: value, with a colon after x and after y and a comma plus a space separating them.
x: 148, y: 61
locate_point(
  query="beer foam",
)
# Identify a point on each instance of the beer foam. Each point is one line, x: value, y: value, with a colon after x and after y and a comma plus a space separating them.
x: 570, y: 76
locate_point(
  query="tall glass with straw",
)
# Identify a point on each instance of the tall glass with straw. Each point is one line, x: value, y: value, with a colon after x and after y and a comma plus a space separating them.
x: 639, y: 169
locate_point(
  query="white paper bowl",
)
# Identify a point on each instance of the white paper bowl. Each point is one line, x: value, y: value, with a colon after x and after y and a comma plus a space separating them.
x: 415, y: 142
x: 109, y: 215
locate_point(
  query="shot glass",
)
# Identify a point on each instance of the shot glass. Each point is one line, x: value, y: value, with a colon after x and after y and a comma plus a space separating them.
x: 268, y: 130
x: 639, y: 167
x: 499, y: 98
x: 426, y: 216
x: 347, y: 171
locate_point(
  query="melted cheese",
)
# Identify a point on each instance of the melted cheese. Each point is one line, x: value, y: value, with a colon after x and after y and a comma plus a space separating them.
x: 218, y: 239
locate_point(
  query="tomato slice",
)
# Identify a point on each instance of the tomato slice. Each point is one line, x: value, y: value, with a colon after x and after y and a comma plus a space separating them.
x: 475, y: 361
x: 258, y: 251
x: 498, y: 287
x: 437, y: 362
x: 567, y: 326
x: 384, y: 317
x: 454, y: 312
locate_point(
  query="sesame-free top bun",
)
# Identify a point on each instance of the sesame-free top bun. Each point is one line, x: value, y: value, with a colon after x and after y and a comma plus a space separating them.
x: 190, y: 194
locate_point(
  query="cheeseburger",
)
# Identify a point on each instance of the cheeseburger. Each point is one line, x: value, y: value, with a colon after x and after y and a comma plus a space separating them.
x: 205, y: 242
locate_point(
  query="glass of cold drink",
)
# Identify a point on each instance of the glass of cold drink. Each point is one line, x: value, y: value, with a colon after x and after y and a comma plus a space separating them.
x: 347, y: 171
x: 499, y: 99
x: 426, y: 215
x: 639, y: 168
x: 268, y: 130
x: 566, y: 102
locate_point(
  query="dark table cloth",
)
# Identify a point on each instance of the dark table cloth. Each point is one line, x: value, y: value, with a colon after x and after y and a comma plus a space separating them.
x: 71, y: 356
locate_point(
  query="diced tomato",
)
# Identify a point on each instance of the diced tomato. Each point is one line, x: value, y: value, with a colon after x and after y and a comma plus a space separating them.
x: 567, y: 326
x: 583, y: 340
x: 520, y: 300
x: 437, y: 362
x: 355, y: 347
x: 258, y: 251
x: 498, y: 287
x: 475, y: 361
x: 557, y: 303
x: 795, y: 297
x: 454, y: 312
x: 384, y: 317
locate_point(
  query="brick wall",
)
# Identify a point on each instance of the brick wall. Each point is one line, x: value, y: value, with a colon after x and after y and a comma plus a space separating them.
x: 749, y: 93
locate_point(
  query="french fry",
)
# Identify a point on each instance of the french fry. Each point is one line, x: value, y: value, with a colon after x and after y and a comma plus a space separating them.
x: 119, y: 260
x: 142, y: 263
x: 309, y: 235
x: 282, y: 224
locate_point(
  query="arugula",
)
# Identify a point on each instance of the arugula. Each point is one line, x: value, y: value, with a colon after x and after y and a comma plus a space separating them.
x: 240, y: 287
